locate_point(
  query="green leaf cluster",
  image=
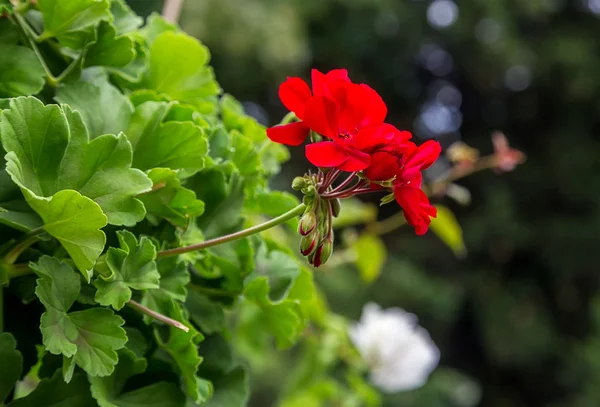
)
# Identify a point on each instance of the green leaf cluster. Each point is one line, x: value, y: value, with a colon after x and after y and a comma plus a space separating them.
x: 118, y: 144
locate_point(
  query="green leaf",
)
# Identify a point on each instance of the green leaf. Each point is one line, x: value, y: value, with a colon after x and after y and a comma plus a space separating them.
x: 176, y: 145
x: 283, y: 319
x: 155, y: 26
x: 12, y: 364
x: 131, y: 266
x: 103, y: 108
x: 355, y: 212
x: 21, y: 72
x: 8, y: 34
x: 174, y: 278
x: 447, y: 228
x: 57, y: 286
x: 147, y: 117
x: 169, y: 200
x: 244, y: 154
x: 109, y: 49
x: 75, y: 221
x: 56, y: 393
x: 130, y: 75
x: 231, y: 390
x: 108, y: 391
x: 14, y: 211
x: 280, y: 269
x: 208, y: 315
x: 182, y: 347
x: 64, y: 19
x: 370, y: 255
x: 224, y: 199
x: 190, y: 79
x: 49, y: 151
x: 274, y: 203
x: 124, y: 18
x: 91, y: 337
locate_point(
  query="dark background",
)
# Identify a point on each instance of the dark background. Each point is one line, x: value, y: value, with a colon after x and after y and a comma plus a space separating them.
x: 517, y: 320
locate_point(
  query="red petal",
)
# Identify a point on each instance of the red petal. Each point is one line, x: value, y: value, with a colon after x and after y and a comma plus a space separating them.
x: 320, y: 114
x: 292, y: 134
x: 294, y: 93
x: 325, y: 154
x: 356, y: 161
x: 416, y: 207
x: 376, y: 108
x: 321, y: 82
x: 383, y: 166
x: 371, y: 136
x: 338, y: 74
x: 422, y: 158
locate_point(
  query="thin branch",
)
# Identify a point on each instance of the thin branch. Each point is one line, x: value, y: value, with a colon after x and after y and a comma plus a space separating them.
x: 156, y: 315
x: 235, y: 236
x: 172, y: 10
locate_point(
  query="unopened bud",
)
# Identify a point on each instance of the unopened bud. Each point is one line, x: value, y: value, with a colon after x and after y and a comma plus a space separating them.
x: 336, y: 206
x: 323, y: 253
x: 308, y: 223
x: 298, y: 183
x: 308, y: 201
x: 308, y: 244
x: 309, y: 190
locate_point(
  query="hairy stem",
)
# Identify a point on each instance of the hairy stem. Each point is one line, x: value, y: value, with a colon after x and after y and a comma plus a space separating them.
x: 156, y: 315
x: 22, y: 245
x: 31, y: 37
x: 387, y: 225
x: 172, y: 10
x: 235, y: 236
x: 288, y: 118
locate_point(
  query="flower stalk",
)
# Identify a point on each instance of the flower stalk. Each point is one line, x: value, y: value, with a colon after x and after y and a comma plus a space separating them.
x: 235, y: 236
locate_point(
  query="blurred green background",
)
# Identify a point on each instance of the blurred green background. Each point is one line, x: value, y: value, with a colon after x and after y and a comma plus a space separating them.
x: 517, y: 320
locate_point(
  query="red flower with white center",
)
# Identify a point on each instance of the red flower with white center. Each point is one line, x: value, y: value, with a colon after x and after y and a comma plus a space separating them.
x: 295, y: 94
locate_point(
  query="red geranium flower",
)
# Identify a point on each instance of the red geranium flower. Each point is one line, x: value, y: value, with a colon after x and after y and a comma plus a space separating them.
x: 415, y: 205
x: 295, y: 94
x: 352, y: 117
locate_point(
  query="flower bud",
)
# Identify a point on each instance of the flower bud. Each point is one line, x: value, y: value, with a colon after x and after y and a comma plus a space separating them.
x: 308, y: 244
x: 323, y: 253
x: 307, y: 223
x: 298, y: 183
x: 336, y: 206
x: 308, y: 201
x: 309, y: 190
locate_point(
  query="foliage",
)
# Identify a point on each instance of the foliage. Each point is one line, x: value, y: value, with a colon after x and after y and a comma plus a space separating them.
x: 119, y: 150
x: 518, y: 314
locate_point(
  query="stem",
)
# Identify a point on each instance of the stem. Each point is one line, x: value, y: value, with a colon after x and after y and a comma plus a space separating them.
x: 158, y: 316
x: 288, y: 118
x: 22, y: 245
x: 345, y: 183
x: 31, y: 37
x: 387, y: 225
x: 19, y: 270
x: 69, y: 69
x: 172, y: 10
x: 237, y: 235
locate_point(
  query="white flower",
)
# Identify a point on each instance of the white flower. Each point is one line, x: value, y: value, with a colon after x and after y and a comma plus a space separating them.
x: 399, y: 352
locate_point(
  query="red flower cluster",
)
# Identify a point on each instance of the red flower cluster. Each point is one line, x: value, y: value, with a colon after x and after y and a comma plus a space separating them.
x: 351, y: 117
